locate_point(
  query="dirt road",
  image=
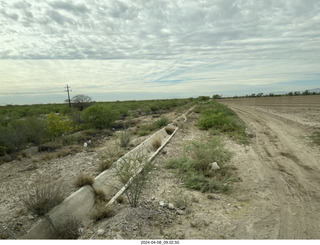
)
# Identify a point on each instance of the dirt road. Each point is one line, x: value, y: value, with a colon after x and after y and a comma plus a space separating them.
x: 285, y: 169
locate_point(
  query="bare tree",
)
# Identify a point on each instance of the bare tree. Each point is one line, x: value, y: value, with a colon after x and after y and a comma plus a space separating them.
x: 81, y: 101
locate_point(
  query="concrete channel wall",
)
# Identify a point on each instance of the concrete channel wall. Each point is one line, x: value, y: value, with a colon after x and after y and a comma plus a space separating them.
x: 80, y: 203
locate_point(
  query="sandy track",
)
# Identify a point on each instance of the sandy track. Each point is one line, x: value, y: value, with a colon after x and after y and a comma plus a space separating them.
x: 287, y: 170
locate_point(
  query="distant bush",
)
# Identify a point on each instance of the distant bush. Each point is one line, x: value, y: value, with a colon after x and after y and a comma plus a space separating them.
x: 99, y: 116
x: 81, y: 101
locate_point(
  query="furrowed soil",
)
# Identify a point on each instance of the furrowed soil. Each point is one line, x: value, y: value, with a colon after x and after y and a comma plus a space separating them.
x: 277, y: 198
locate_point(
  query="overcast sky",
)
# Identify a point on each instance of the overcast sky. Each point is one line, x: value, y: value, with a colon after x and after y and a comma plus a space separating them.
x: 140, y: 49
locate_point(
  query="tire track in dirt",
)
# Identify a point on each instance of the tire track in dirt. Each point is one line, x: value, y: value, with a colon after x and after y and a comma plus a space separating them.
x: 291, y: 169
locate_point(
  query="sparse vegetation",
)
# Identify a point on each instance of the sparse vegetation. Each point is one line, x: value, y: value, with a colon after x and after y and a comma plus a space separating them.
x: 112, y: 154
x: 28, y: 125
x: 42, y: 199
x: 83, y: 179
x: 221, y: 119
x: 315, y: 137
x: 125, y: 138
x: 181, y: 200
x: 195, y: 170
x: 148, y: 128
x: 127, y: 171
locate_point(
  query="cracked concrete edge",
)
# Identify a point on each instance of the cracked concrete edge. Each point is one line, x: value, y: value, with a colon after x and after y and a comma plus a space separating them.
x: 80, y: 203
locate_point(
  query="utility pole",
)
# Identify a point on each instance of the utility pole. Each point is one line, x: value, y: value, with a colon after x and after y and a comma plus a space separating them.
x: 68, y: 95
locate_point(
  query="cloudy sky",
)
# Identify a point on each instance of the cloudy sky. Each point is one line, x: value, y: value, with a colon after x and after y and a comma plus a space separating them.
x: 151, y: 49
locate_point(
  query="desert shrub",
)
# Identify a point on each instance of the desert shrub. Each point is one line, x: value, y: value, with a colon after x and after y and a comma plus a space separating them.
x: 42, y: 199
x: 66, y: 228
x: 127, y: 173
x: 181, y: 200
x: 125, y: 139
x: 156, y: 143
x: 36, y: 130
x: 57, y: 125
x: 75, y: 116
x: 161, y: 122
x: 99, y: 116
x: 13, y: 137
x: 83, y: 179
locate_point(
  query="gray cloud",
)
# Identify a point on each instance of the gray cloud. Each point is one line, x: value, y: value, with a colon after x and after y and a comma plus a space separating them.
x: 163, y: 29
x: 201, y: 42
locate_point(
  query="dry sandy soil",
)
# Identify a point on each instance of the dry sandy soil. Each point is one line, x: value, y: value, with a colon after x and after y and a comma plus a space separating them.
x: 278, y: 197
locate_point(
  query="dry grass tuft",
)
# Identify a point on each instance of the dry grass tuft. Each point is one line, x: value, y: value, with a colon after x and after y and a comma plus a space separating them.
x: 102, y: 211
x: 156, y: 143
x: 99, y: 195
x: 67, y: 228
x: 169, y: 130
x: 43, y: 199
x: 84, y: 179
x: 120, y: 199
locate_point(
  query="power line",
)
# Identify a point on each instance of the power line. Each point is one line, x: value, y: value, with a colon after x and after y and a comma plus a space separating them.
x: 68, y: 89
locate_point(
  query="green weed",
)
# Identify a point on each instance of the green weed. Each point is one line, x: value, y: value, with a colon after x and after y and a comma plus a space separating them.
x: 194, y: 166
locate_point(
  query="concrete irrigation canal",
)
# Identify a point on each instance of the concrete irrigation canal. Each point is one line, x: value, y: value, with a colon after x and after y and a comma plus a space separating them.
x: 80, y: 203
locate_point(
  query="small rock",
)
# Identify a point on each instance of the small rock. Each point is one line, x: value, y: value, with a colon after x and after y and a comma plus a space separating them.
x: 85, y: 144
x: 80, y: 230
x: 171, y: 206
x: 152, y: 198
x: 180, y: 212
x: 162, y: 203
x: 100, y: 232
x: 214, y: 166
x: 30, y: 217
